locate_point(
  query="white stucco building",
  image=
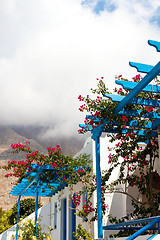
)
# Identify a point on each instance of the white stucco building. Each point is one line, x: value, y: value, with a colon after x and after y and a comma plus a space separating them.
x: 62, y: 219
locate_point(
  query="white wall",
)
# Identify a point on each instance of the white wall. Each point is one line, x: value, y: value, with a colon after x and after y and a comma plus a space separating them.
x: 118, y: 204
x: 44, y: 215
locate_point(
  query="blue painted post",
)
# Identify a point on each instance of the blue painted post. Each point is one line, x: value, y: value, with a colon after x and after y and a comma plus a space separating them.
x: 99, y: 194
x: 18, y: 208
x: 36, y: 206
x: 158, y: 227
x: 96, y: 133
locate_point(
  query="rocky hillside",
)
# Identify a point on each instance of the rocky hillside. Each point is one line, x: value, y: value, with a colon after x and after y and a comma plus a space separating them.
x: 9, y: 136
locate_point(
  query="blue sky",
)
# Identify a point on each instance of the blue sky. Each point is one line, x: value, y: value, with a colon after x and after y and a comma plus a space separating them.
x: 52, y: 51
x: 100, y: 6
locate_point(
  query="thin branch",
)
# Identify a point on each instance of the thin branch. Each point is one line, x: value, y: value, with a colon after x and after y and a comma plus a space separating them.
x: 118, y: 191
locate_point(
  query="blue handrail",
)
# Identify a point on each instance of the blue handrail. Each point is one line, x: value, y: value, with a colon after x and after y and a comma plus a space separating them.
x: 122, y: 226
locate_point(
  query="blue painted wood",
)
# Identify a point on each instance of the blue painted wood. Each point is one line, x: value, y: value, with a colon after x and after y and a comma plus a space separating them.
x: 139, y: 132
x: 134, y: 222
x: 134, y: 92
x: 143, y: 68
x: 18, y: 208
x: 143, y: 133
x: 26, y: 188
x: 133, y: 123
x: 98, y: 179
x: 55, y: 216
x: 142, y: 230
x: 151, y: 222
x: 152, y: 237
x: 86, y: 127
x: 30, y: 183
x: 36, y: 206
x: 135, y: 100
x: 64, y: 219
x: 136, y: 113
x: 154, y: 44
x: 131, y: 228
x: 73, y: 220
x: 159, y: 227
x: 155, y: 124
x: 131, y: 85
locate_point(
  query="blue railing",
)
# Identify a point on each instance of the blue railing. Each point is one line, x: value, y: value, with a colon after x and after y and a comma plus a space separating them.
x: 131, y: 226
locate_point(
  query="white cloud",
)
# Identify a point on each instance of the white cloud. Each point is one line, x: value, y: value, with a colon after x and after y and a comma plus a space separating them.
x: 52, y: 51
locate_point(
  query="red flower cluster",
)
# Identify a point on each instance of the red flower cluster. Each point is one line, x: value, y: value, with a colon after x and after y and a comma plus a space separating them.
x: 148, y: 108
x: 82, y: 108
x: 80, y: 171
x: 76, y: 199
x: 124, y: 118
x: 56, y: 150
x: 137, y: 77
x: 110, y: 158
x: 19, y: 146
x: 88, y: 208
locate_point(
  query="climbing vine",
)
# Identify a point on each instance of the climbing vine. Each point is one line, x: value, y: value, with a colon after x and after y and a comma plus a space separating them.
x: 137, y: 162
x: 65, y: 169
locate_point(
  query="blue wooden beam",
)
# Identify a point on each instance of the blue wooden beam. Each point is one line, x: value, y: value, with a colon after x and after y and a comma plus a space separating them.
x: 133, y: 123
x: 131, y: 85
x: 139, y: 132
x: 96, y: 133
x: 129, y: 223
x: 143, y: 229
x: 31, y: 182
x: 131, y: 228
x: 36, y: 206
x: 134, y: 92
x: 154, y: 44
x: 136, y: 113
x: 141, y: 67
x: 135, y: 100
x: 18, y: 209
x: 98, y: 180
x: 155, y: 124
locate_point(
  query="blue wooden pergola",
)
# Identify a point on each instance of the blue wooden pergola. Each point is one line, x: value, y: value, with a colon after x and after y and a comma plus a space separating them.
x: 122, y: 101
x: 36, y: 184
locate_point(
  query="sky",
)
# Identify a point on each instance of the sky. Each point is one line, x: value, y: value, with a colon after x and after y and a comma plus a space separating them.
x: 53, y: 51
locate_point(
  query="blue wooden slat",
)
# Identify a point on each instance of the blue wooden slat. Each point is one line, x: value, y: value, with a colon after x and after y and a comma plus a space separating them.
x: 138, y: 221
x: 133, y: 228
x: 142, y: 230
x: 134, y: 92
x: 151, y: 222
x: 27, y: 188
x: 135, y: 100
x: 152, y: 237
x: 143, y: 68
x: 133, y: 123
x: 154, y: 44
x: 130, y: 85
x: 139, y: 132
x: 88, y: 128
x: 136, y: 113
x: 143, y: 133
